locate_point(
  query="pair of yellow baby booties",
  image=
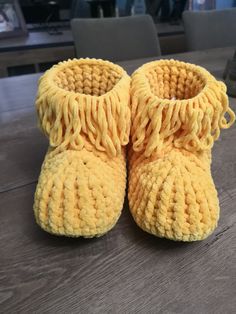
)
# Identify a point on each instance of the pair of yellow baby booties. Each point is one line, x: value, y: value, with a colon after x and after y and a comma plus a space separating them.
x: 170, y: 112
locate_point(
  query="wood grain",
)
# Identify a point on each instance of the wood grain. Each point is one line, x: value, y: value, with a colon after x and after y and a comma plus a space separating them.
x: 125, y: 271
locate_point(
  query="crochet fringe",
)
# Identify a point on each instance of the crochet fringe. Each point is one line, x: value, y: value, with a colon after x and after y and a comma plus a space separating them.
x: 193, y: 124
x: 70, y: 118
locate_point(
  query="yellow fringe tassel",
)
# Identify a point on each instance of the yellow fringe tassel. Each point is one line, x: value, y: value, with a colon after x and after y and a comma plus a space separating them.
x: 177, y: 112
x: 77, y: 101
x: 83, y: 108
x: 185, y: 107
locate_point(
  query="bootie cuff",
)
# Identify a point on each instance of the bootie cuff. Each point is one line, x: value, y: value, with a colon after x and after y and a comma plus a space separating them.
x: 85, y: 100
x: 177, y: 104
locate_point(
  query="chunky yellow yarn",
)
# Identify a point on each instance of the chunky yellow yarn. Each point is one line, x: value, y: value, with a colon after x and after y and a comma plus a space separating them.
x: 177, y: 111
x: 83, y: 108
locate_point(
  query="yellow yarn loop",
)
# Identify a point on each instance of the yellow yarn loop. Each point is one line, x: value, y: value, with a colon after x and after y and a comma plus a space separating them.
x: 177, y: 104
x: 82, y: 101
x: 177, y: 112
x: 83, y: 108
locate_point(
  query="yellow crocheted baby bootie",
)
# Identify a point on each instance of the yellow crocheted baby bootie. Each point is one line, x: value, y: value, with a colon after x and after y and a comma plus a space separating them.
x: 83, y: 108
x: 177, y: 110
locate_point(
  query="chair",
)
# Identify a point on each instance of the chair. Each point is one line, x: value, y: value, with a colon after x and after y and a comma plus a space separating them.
x: 210, y: 29
x: 116, y: 39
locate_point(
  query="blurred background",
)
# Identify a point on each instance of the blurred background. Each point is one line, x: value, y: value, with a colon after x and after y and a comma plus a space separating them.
x: 38, y: 12
x: 34, y: 34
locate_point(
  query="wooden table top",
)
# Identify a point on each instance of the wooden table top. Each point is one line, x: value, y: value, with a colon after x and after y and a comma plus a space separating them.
x: 125, y: 271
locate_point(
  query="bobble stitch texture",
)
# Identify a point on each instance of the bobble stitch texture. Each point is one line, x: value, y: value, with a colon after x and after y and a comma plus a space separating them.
x: 177, y: 111
x: 83, y: 108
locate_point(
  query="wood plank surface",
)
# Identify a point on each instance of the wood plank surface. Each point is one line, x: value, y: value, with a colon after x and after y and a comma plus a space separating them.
x: 125, y: 271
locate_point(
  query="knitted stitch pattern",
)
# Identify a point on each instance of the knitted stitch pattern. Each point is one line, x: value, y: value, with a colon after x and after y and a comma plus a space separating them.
x: 177, y: 110
x: 83, y: 109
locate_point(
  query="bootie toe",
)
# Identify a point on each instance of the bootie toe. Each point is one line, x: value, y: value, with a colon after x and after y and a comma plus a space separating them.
x: 83, y: 108
x: 177, y: 112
